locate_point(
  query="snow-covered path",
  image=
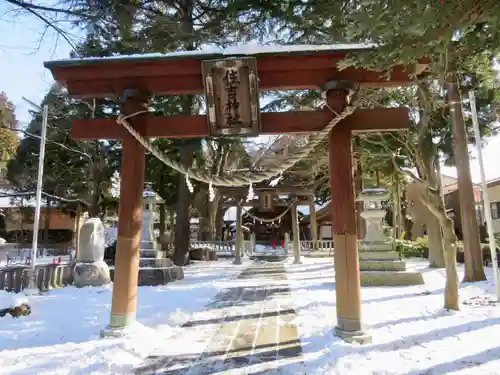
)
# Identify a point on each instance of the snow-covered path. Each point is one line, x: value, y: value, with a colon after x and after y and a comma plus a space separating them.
x: 411, y: 333
x: 61, y: 336
x: 247, y: 329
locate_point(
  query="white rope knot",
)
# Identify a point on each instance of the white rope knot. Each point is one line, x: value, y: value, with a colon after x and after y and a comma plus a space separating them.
x: 250, y: 193
x: 189, y: 184
x: 211, y: 192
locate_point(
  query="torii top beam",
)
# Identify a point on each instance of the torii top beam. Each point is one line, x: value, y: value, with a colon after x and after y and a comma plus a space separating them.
x: 279, y: 68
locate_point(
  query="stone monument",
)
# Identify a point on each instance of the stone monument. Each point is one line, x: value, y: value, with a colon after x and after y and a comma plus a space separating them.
x: 379, y: 264
x: 151, y: 253
x: 373, y: 213
x: 150, y: 201
x: 90, y: 269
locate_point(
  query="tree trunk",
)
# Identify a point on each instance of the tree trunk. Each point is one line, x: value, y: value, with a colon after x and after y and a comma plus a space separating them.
x: 182, y: 229
x: 450, y: 258
x: 94, y: 209
x: 474, y: 270
x: 219, y: 216
x: 77, y: 231
x: 213, y: 209
x: 436, y: 252
x: 396, y: 211
x: 436, y: 206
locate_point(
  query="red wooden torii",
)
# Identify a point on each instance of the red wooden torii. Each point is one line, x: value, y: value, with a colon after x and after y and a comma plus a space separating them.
x: 280, y: 68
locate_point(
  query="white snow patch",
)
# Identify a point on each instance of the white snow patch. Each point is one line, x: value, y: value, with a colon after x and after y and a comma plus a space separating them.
x: 8, y: 300
x: 411, y: 332
x: 61, y: 336
x: 243, y: 49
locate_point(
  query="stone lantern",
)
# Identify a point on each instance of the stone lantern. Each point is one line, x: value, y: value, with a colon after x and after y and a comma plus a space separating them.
x: 373, y: 213
x: 150, y: 201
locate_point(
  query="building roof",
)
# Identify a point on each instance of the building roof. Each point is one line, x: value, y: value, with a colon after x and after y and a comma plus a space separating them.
x: 494, y: 182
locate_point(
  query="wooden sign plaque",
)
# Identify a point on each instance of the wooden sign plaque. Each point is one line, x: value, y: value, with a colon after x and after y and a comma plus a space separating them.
x: 232, y: 92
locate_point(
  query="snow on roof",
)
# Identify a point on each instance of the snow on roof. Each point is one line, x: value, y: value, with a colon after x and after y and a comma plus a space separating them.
x: 151, y: 194
x: 243, y: 49
x: 230, y: 214
x: 11, y: 202
x: 7, y: 200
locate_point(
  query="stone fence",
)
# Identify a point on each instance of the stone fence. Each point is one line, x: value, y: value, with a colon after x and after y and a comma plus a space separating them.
x: 15, y: 279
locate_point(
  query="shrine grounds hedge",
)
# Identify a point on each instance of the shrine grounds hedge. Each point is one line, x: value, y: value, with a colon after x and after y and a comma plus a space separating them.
x: 420, y: 249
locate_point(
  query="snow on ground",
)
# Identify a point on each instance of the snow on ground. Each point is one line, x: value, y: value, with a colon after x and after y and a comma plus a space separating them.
x: 411, y: 332
x: 8, y: 300
x: 61, y: 336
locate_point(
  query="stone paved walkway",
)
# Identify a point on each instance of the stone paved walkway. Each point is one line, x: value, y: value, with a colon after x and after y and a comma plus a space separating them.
x: 249, y: 330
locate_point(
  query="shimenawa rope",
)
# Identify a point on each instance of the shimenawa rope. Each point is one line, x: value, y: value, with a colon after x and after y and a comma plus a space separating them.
x: 238, y: 178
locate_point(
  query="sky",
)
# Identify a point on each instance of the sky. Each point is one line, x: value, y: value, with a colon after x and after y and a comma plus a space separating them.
x: 23, y: 51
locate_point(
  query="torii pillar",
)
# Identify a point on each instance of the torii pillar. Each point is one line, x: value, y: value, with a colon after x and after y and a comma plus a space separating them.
x: 124, y: 301
x: 313, y: 223
x: 343, y: 206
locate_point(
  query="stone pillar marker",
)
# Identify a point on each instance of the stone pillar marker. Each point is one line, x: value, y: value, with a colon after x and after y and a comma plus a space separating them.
x: 295, y: 234
x: 373, y: 213
x: 313, y: 223
x: 124, y: 301
x: 252, y: 242
x: 287, y: 242
x: 239, y: 236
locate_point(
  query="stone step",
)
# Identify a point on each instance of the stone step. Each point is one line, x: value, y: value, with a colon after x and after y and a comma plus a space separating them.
x: 145, y: 253
x: 391, y: 278
x: 378, y: 255
x: 382, y: 265
x: 156, y: 276
x: 374, y: 247
x: 316, y: 254
x: 155, y: 262
x: 149, y: 245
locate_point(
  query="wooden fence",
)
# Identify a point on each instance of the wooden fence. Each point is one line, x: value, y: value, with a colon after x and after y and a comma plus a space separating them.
x: 326, y: 246
x: 221, y: 248
x: 20, y: 253
x: 15, y: 279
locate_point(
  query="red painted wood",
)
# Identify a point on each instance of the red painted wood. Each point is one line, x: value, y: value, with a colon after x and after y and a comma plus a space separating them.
x: 343, y: 207
x: 103, y: 78
x: 382, y: 119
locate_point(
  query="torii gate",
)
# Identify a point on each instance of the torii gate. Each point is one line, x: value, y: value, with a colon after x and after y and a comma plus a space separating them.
x: 283, y: 68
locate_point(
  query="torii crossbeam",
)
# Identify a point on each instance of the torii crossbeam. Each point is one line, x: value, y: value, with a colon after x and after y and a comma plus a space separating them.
x: 267, y: 68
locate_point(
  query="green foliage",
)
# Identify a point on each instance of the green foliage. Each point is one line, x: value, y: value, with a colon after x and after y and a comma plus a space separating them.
x: 8, y: 139
x: 8, y: 146
x: 71, y: 168
x: 412, y: 249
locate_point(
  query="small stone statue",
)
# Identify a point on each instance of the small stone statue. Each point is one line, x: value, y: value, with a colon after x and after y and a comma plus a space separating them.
x: 90, y: 269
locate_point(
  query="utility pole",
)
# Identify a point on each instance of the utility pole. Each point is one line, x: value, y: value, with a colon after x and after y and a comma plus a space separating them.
x: 486, y: 199
x: 32, y: 288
